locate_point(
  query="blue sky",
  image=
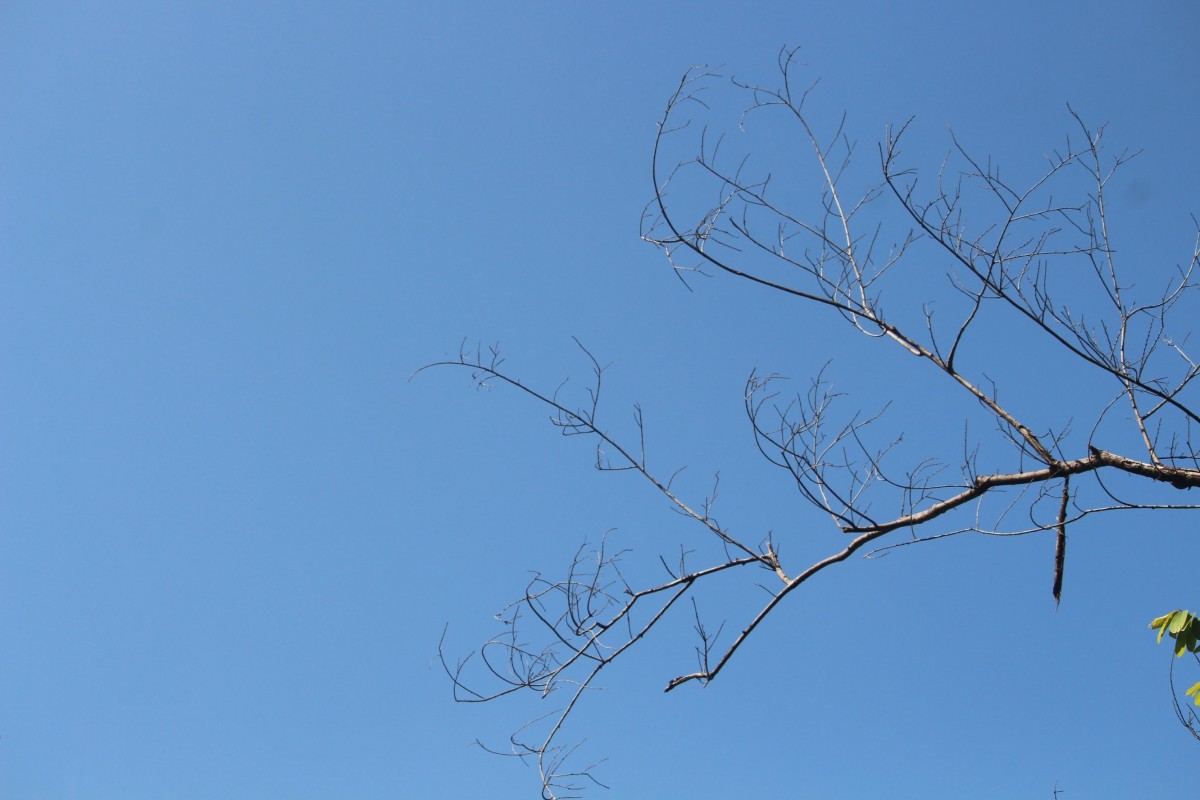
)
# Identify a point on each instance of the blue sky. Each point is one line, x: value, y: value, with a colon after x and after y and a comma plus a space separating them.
x: 232, y: 530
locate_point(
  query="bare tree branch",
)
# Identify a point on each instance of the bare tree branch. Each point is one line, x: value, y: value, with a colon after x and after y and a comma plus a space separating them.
x: 1015, y: 258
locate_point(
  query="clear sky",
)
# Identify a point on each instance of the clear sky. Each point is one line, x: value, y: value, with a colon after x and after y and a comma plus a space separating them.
x: 232, y: 530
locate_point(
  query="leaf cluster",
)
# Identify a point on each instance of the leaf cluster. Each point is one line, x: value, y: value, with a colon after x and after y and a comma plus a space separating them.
x: 1184, y: 628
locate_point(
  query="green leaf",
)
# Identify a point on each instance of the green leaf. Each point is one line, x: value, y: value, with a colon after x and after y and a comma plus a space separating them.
x: 1161, y: 624
x: 1184, y: 628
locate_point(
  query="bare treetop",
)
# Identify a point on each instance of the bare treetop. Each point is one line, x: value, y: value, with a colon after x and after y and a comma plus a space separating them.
x: 858, y: 234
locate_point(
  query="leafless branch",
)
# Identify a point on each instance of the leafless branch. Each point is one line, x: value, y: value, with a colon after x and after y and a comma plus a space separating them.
x: 1015, y: 257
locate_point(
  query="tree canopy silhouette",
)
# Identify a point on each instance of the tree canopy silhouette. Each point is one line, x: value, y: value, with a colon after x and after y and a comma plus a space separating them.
x: 855, y: 236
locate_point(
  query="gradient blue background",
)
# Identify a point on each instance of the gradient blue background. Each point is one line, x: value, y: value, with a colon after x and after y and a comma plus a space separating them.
x: 231, y: 530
